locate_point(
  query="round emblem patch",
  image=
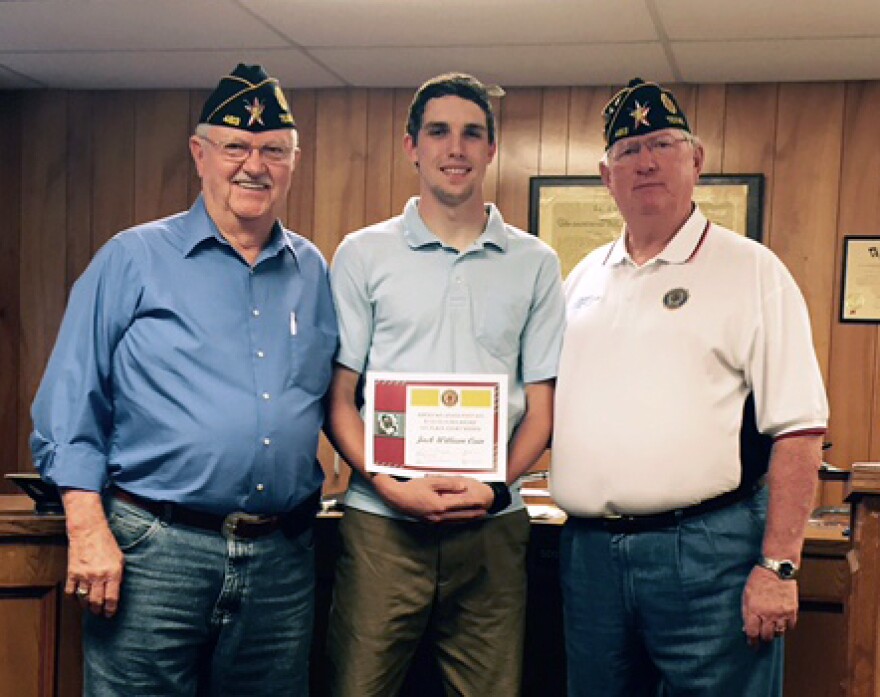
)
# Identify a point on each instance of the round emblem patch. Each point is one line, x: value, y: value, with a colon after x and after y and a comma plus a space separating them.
x: 675, y: 298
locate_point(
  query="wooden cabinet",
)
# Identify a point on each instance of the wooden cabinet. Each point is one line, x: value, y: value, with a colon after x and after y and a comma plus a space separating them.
x: 815, y: 651
x: 863, y: 607
x: 40, y: 648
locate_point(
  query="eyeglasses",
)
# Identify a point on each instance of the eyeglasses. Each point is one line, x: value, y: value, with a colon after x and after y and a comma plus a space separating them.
x: 660, y: 147
x: 236, y: 151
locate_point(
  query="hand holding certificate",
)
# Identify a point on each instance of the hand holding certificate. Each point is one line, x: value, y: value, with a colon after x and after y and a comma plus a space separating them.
x: 421, y: 424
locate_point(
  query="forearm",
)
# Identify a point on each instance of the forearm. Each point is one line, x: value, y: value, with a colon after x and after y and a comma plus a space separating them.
x: 792, y: 479
x: 344, y: 428
x: 533, y: 434
x: 84, y: 512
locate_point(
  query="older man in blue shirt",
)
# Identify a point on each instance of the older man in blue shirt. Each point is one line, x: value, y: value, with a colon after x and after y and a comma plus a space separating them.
x: 179, y: 415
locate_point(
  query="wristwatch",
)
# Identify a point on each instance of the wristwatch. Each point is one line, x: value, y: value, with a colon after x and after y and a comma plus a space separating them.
x: 786, y: 569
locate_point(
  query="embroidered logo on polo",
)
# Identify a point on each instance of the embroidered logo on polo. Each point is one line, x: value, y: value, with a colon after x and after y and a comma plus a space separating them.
x: 675, y: 298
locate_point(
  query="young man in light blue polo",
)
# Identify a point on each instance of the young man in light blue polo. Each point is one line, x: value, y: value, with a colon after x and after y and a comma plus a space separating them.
x: 446, y: 287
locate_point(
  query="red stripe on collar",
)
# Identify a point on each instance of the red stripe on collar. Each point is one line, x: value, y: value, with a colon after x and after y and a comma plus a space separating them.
x: 699, y: 243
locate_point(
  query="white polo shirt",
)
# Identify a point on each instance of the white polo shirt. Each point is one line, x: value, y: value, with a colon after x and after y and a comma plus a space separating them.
x: 657, y: 361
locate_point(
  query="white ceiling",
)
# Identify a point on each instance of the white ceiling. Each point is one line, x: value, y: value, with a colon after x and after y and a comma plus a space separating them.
x: 108, y: 44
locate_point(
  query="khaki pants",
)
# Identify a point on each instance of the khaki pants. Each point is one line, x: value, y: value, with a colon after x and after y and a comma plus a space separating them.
x: 463, y: 585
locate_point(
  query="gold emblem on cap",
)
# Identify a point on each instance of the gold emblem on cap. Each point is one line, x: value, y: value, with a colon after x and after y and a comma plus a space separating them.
x: 279, y: 95
x: 640, y: 115
x: 256, y: 111
x: 675, y: 298
x: 668, y: 103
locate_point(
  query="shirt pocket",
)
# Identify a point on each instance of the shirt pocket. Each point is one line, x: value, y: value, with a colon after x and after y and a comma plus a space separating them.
x: 500, y: 322
x: 311, y: 359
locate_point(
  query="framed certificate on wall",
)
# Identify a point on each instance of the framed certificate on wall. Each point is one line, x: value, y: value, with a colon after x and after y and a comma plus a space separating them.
x: 860, y: 280
x: 575, y: 214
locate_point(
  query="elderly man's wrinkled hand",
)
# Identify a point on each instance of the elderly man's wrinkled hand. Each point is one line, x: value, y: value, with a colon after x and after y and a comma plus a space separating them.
x: 94, y: 570
x: 769, y: 606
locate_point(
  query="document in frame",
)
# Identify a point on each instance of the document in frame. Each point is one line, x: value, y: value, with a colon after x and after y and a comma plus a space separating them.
x: 420, y: 424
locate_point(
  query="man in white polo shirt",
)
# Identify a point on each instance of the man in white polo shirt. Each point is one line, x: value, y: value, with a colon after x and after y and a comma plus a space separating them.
x: 679, y: 561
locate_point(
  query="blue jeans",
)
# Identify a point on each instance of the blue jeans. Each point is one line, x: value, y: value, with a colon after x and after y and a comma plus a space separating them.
x: 659, y: 613
x: 202, y: 615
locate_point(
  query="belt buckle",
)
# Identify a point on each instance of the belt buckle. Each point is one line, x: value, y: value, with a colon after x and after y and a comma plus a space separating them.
x: 232, y: 521
x: 230, y: 524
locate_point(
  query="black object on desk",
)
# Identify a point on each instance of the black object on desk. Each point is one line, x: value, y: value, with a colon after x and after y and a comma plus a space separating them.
x: 45, y: 496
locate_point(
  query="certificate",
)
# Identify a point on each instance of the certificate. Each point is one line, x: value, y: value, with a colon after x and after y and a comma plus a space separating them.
x: 860, y: 295
x: 419, y: 424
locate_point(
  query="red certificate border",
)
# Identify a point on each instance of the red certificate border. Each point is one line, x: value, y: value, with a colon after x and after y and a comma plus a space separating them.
x: 389, y: 396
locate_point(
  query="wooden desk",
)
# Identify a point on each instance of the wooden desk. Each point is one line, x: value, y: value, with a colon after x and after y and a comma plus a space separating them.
x: 40, y: 647
x: 863, y: 608
x: 815, y: 651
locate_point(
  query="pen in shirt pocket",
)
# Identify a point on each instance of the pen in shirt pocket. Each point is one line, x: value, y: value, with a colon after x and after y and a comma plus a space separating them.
x: 293, y: 323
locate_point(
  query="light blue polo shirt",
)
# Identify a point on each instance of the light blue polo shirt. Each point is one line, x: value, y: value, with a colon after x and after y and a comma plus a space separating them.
x: 408, y: 303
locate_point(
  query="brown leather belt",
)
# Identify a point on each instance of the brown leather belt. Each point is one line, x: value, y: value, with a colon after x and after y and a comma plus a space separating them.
x: 239, y: 525
x: 631, y: 524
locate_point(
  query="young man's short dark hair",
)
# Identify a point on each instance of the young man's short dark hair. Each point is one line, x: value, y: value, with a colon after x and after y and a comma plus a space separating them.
x: 450, y: 84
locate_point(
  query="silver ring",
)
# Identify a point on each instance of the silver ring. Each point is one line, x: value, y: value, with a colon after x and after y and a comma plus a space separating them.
x: 82, y: 591
x: 779, y: 631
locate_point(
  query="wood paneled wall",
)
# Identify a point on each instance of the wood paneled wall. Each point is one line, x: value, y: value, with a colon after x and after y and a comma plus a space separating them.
x: 79, y: 166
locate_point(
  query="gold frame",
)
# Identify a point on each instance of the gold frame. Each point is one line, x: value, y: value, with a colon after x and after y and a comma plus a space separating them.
x: 576, y: 214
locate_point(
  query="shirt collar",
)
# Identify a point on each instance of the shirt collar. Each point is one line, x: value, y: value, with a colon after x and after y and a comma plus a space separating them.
x: 679, y: 250
x: 417, y: 234
x: 200, y: 227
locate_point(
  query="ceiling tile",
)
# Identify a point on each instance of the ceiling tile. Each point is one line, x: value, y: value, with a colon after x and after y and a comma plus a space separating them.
x: 163, y: 69
x: 85, y: 44
x: 113, y: 25
x: 508, y: 66
x: 760, y: 19
x: 455, y: 23
x: 10, y: 80
x: 778, y: 61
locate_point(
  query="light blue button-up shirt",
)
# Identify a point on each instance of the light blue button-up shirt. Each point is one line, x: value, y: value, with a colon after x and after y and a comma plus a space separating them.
x: 183, y: 374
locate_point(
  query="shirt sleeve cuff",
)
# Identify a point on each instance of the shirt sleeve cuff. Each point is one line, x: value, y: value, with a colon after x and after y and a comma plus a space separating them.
x: 76, y: 466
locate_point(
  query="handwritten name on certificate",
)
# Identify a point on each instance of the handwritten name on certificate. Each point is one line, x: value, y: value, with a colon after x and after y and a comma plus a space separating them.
x: 436, y: 423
